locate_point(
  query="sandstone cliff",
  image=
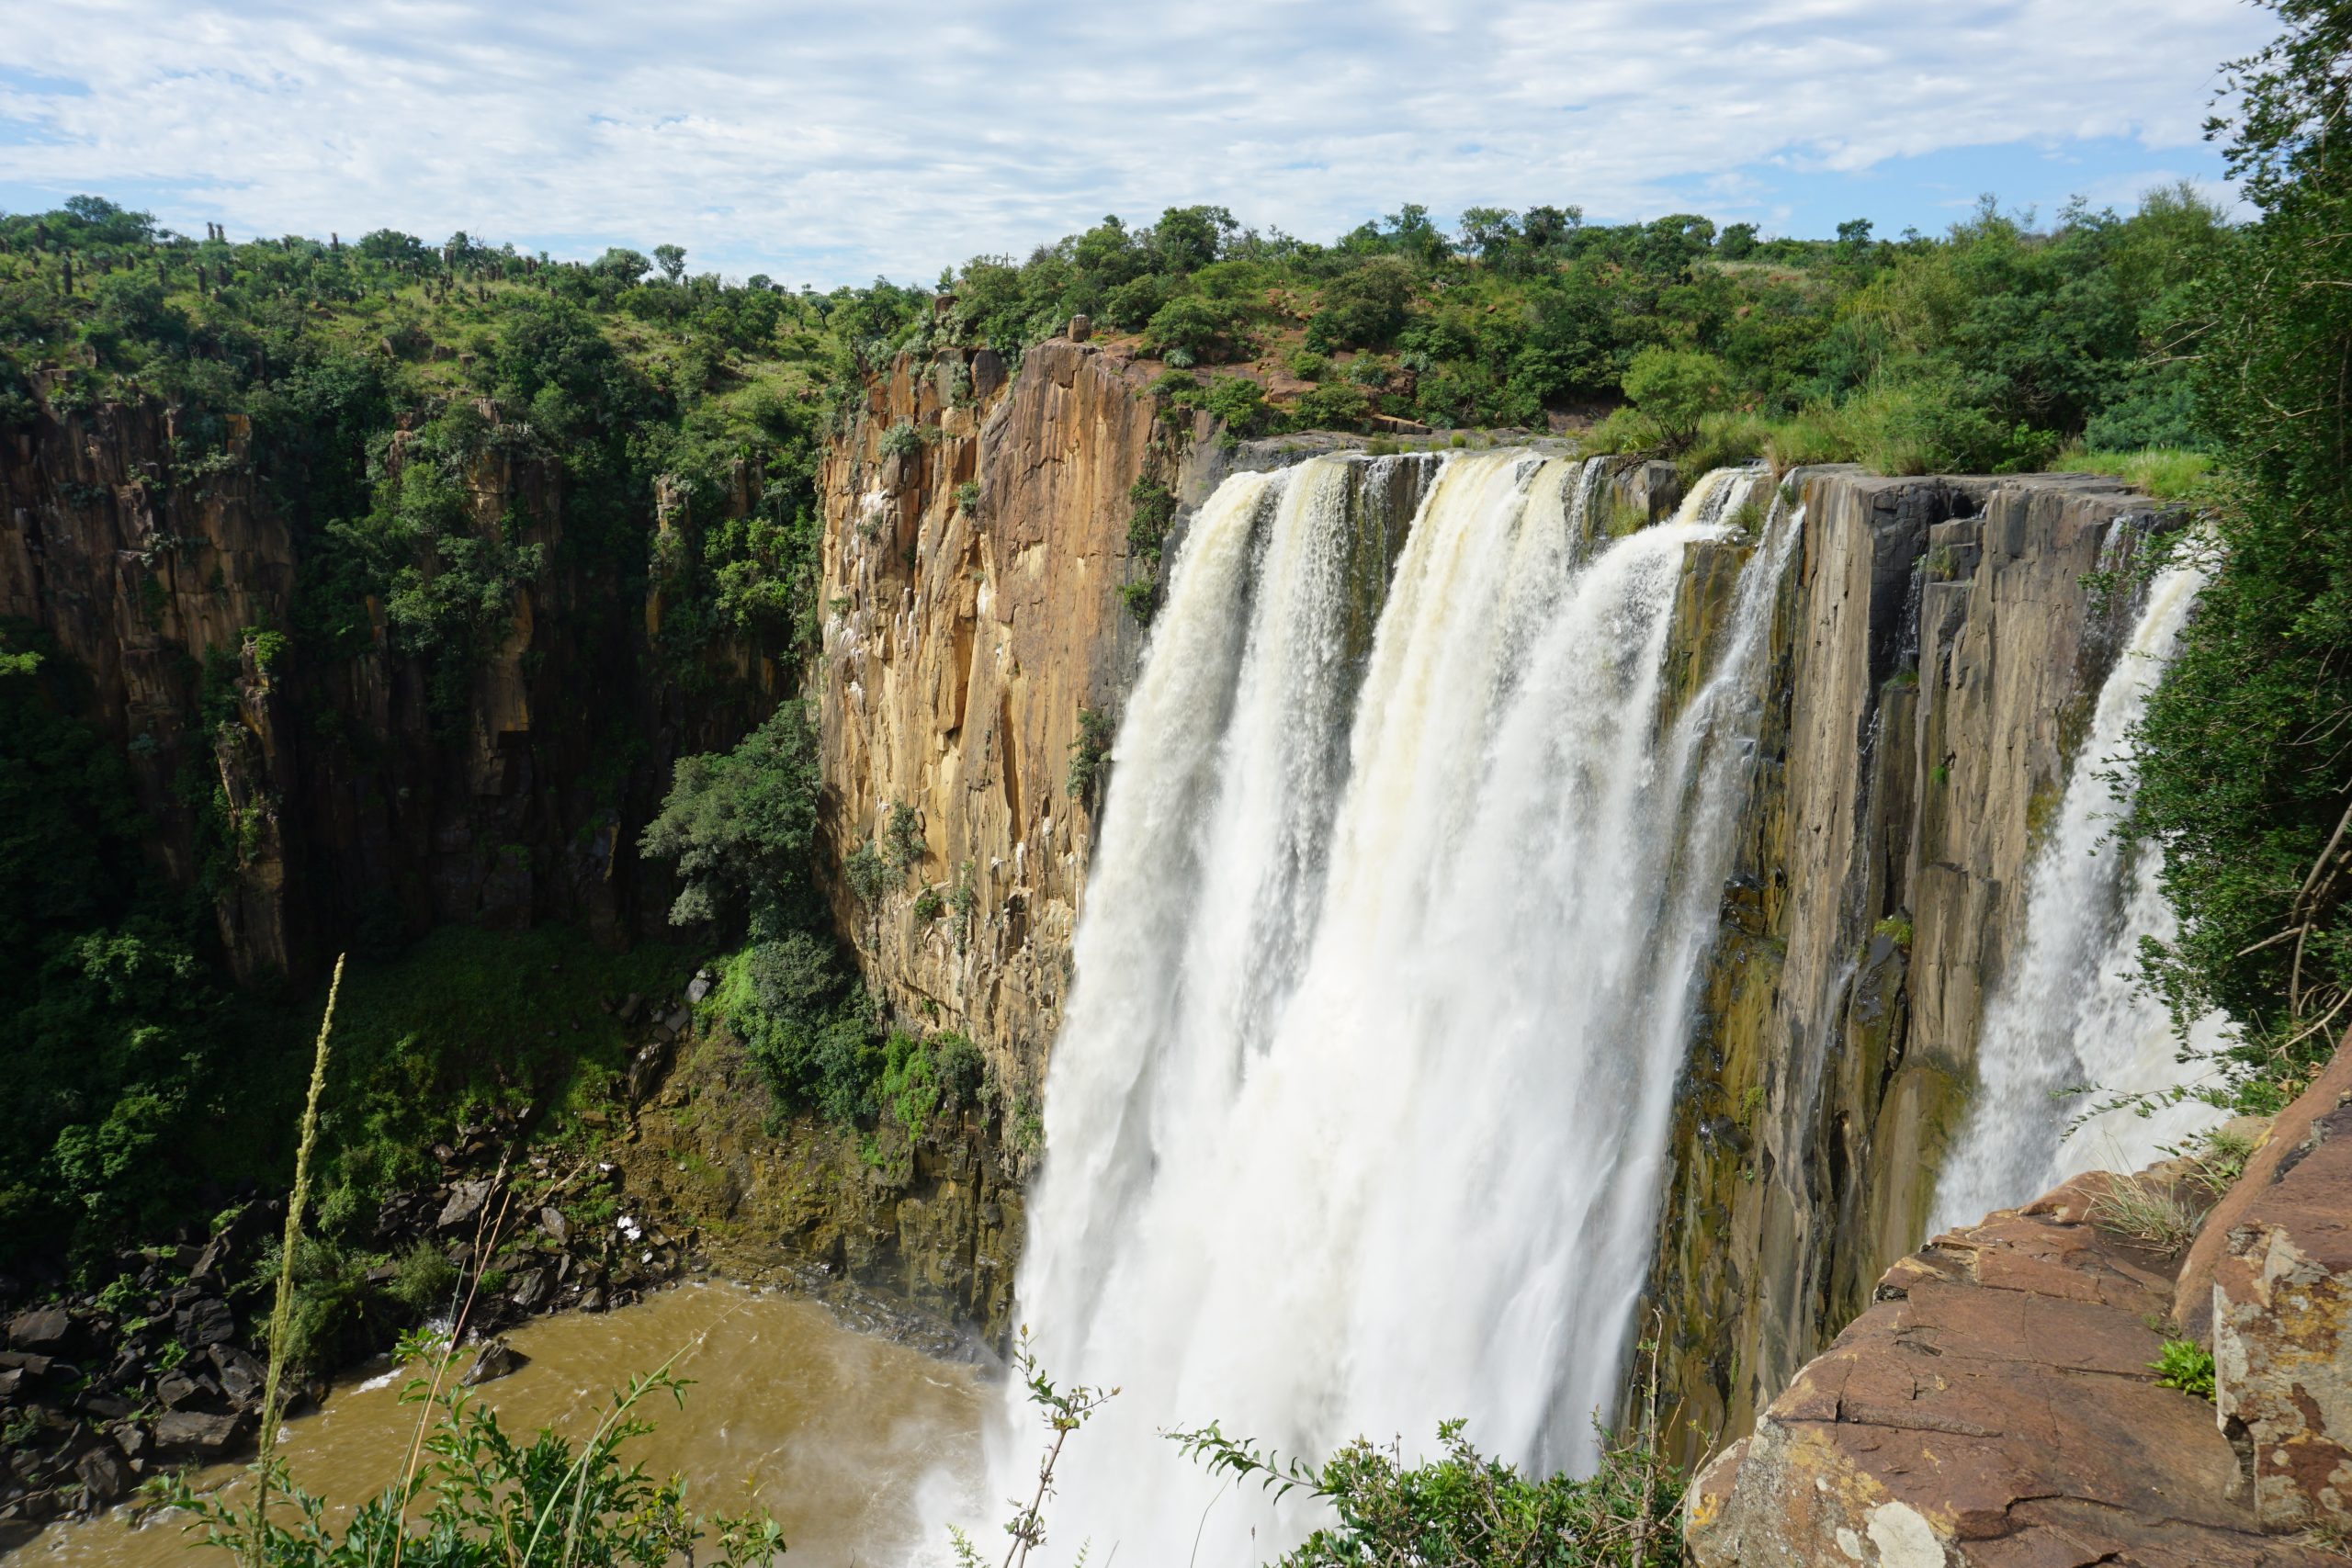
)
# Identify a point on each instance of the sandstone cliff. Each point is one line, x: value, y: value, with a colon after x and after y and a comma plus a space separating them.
x: 966, y: 632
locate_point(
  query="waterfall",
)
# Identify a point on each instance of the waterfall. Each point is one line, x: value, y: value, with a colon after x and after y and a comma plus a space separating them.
x: 2069, y: 1014
x: 1358, y: 1118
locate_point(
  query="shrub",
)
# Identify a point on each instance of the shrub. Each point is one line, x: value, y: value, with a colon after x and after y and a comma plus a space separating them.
x: 1089, y: 752
x: 901, y: 440
x: 1239, y: 402
x: 742, y: 826
x: 1139, y: 598
x: 1465, y: 1508
x: 902, y: 839
x: 423, y: 1278
x: 1307, y: 364
x: 1332, y: 406
x: 1154, y: 509
x: 967, y: 497
x: 1675, y: 389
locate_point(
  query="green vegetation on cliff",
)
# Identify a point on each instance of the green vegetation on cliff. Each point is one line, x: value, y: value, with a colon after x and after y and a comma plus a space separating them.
x: 1990, y: 348
x: 2246, y: 750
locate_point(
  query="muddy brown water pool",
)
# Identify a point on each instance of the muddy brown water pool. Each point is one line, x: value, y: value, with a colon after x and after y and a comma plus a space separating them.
x: 855, y: 1444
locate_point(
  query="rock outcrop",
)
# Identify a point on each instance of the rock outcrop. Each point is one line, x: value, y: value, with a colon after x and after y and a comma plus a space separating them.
x: 1935, y: 652
x: 1997, y: 1406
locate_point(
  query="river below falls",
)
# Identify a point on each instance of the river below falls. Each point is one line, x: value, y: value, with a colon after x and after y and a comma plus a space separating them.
x: 851, y: 1441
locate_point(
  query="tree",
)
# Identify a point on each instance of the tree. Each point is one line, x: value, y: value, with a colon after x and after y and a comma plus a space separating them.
x: 2244, y: 775
x: 1675, y: 388
x: 742, y: 826
x: 671, y: 260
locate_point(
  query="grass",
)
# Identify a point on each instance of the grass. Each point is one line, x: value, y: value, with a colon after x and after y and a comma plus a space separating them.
x: 2168, y: 473
x: 2148, y: 1213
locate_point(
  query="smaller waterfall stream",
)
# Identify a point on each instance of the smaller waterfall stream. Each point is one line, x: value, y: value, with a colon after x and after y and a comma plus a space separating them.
x: 2069, y: 1015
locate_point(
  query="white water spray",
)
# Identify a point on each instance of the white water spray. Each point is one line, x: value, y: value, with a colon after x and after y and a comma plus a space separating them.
x: 2069, y: 1015
x: 1358, y: 1121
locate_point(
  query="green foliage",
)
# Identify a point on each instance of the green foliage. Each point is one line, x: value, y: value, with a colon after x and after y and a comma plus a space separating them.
x: 1465, y: 1508
x: 1154, y: 510
x: 1675, y: 388
x: 1089, y: 751
x: 808, y: 1031
x: 902, y: 839
x: 2185, y: 1365
x: 924, y: 1078
x: 967, y: 497
x: 424, y: 1280
x: 1140, y: 597
x: 2241, y: 761
x: 118, y: 1033
x: 465, y: 1022
x: 742, y: 826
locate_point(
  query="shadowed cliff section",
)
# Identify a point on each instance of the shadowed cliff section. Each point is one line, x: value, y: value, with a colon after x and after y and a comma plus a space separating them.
x: 326, y: 792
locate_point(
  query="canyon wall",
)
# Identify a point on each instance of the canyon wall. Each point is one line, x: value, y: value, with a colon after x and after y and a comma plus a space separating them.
x: 1935, y: 651
x: 329, y: 793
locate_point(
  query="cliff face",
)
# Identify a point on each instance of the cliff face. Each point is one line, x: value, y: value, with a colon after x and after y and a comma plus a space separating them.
x: 323, y: 798
x: 963, y: 640
x: 1934, y: 651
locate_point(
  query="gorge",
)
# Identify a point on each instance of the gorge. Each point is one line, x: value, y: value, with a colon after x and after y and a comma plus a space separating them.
x: 1174, y: 809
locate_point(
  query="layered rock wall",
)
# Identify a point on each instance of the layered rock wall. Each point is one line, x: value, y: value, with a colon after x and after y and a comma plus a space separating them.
x: 1935, y: 651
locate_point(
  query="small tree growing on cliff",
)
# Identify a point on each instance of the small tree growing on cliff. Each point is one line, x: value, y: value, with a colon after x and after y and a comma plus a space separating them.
x: 741, y: 825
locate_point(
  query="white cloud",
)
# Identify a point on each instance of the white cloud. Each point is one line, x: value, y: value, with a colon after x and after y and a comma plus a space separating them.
x: 824, y: 144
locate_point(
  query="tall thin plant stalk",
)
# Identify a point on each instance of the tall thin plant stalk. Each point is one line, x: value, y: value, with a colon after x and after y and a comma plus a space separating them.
x: 282, y: 1314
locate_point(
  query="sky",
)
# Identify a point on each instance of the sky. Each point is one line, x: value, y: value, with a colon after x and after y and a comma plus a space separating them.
x: 829, y: 144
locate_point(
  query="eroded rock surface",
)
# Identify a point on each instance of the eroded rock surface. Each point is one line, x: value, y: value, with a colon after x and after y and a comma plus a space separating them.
x: 1996, y: 1405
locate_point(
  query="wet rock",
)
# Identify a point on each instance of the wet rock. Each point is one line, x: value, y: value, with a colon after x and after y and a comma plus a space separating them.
x: 42, y: 1328
x: 105, y: 1478
x: 700, y: 986
x: 241, y: 1375
x: 204, y: 1435
x: 181, y: 1390
x: 495, y: 1360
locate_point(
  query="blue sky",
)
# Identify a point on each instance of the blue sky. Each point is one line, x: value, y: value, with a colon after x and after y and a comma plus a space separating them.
x: 826, y: 144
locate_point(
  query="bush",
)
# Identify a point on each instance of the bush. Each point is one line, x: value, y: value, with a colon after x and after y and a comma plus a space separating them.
x: 742, y: 826
x: 1332, y: 406
x: 423, y: 1278
x: 1089, y: 752
x: 1465, y: 1508
x: 1676, y: 388
x: 1239, y: 402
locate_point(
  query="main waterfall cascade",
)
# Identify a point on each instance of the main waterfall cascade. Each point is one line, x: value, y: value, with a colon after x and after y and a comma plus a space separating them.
x: 1359, y: 1117
x: 2070, y: 1031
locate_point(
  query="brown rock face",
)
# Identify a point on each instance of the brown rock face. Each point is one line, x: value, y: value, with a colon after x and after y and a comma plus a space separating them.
x: 2281, y: 1304
x: 1994, y: 1406
x: 962, y: 642
x: 1879, y: 879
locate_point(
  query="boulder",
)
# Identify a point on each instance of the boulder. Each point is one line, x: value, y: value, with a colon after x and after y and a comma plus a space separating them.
x: 197, y: 1433
x: 241, y: 1375
x: 205, y: 1322
x: 1081, y: 328
x: 2283, y: 1326
x: 496, y: 1359
x: 104, y: 1476
x: 1994, y: 1405
x: 466, y: 1200
x: 42, y: 1328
